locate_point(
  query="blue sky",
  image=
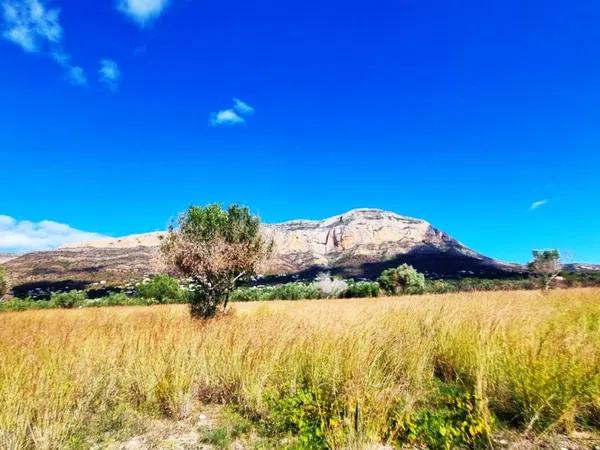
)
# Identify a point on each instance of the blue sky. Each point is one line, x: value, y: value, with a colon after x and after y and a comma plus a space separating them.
x: 115, y: 115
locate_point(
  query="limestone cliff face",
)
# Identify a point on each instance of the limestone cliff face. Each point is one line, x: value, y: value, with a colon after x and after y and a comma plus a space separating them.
x: 359, y: 243
x: 358, y: 235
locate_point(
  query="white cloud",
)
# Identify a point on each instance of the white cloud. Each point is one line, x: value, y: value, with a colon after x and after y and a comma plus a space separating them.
x: 109, y: 73
x: 226, y: 117
x: 242, y: 108
x: 535, y: 205
x: 76, y: 75
x: 142, y: 11
x: 26, y: 236
x: 30, y: 25
x: 232, y: 116
x: 36, y: 29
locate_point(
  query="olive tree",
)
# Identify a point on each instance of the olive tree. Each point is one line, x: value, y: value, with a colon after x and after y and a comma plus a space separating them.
x: 545, y: 266
x: 403, y: 279
x: 217, y: 248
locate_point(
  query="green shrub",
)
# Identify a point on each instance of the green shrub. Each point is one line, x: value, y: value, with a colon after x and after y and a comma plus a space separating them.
x: 439, y: 287
x: 163, y: 288
x: 71, y: 299
x: 307, y: 413
x: 251, y: 294
x: 450, y: 421
x: 403, y: 279
x: 357, y: 289
x: 24, y: 304
x: 296, y: 291
x: 119, y: 299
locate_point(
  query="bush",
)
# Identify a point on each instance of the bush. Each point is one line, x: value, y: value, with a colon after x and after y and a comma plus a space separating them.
x: 296, y: 291
x: 162, y: 288
x: 402, y: 280
x: 71, y: 299
x: 451, y: 420
x: 251, y: 294
x: 358, y: 289
x: 24, y: 304
x: 439, y: 287
x: 308, y: 413
x: 119, y: 299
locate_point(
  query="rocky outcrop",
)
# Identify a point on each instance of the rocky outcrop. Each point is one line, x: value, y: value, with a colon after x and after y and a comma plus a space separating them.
x: 358, y: 243
x: 359, y: 237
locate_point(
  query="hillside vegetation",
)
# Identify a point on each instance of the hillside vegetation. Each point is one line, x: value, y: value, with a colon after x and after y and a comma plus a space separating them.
x: 443, y: 371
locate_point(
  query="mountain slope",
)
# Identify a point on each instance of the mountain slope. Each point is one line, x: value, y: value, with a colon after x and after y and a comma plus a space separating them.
x: 358, y: 243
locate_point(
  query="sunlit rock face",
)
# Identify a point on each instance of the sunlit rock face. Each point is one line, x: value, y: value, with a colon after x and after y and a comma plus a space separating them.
x: 360, y: 234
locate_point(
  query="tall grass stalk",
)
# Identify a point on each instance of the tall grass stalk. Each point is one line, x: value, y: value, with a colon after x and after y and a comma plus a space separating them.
x: 531, y: 361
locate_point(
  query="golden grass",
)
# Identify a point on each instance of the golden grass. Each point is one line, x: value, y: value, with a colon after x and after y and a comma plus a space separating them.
x: 532, y: 360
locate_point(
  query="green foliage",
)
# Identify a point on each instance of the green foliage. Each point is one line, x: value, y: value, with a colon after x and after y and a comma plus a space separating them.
x: 545, y: 266
x: 16, y: 304
x: 231, y: 427
x: 450, y: 421
x: 403, y: 279
x: 359, y: 289
x: 288, y: 291
x: 217, y: 248
x: 476, y: 284
x: 3, y: 282
x: 119, y: 299
x: 163, y: 288
x: 307, y: 413
x: 217, y: 437
x: 235, y: 224
x: 296, y: 291
x: 581, y: 279
x: 301, y: 291
x: 71, y: 299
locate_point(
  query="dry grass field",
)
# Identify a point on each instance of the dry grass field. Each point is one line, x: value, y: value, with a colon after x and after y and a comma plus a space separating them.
x: 440, y: 371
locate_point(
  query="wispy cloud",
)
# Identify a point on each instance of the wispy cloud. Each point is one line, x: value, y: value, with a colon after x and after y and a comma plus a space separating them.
x: 232, y: 116
x: 226, y: 117
x: 76, y: 75
x: 142, y: 11
x: 109, y: 73
x: 242, y: 107
x: 537, y: 204
x: 36, y: 29
x: 26, y: 236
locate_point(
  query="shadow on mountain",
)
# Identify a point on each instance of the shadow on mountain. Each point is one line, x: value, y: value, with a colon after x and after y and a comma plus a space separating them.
x: 431, y: 261
x: 42, y: 289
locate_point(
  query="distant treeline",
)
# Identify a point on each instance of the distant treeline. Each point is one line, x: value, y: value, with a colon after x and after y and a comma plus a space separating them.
x: 167, y: 289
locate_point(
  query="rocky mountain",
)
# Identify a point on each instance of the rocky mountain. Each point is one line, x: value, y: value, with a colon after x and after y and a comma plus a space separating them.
x: 359, y: 243
x: 581, y: 267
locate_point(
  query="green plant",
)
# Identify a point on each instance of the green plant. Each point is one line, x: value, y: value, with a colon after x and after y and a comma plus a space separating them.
x: 403, y: 279
x: 217, y: 437
x: 163, y: 287
x: 450, y: 421
x: 305, y: 412
x: 545, y: 266
x: 71, y: 299
x: 217, y: 248
x: 358, y: 289
x: 16, y: 304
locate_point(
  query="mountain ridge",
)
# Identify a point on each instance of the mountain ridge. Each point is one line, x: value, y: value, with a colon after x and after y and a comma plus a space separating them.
x: 358, y: 243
